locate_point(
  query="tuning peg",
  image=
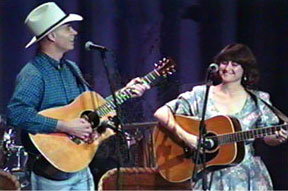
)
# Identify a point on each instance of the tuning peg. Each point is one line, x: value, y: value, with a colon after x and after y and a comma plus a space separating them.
x: 155, y: 64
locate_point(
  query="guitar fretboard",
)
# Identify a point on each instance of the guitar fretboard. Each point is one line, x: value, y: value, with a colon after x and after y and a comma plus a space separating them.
x: 245, y: 135
x: 124, y: 94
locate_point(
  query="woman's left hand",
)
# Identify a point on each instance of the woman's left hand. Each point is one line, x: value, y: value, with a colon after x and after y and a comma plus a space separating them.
x: 282, y: 135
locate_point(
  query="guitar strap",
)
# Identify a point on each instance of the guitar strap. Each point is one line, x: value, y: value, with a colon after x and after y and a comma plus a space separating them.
x: 276, y: 111
x: 76, y: 72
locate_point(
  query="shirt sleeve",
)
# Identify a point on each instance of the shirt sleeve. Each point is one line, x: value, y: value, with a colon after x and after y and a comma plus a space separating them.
x: 25, y: 103
x: 268, y: 117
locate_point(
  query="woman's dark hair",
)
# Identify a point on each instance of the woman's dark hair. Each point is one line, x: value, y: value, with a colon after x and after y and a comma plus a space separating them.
x: 242, y: 55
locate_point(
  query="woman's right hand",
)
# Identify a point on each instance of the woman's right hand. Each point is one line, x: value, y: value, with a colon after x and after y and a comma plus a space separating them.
x: 189, y: 139
x: 166, y: 118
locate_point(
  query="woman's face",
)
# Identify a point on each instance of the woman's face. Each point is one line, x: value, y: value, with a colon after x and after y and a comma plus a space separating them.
x: 230, y: 71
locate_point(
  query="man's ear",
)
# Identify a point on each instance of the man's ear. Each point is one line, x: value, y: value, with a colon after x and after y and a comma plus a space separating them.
x: 51, y: 36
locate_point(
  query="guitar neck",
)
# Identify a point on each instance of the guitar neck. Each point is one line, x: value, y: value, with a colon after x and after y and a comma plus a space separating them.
x: 246, y: 135
x: 123, y: 95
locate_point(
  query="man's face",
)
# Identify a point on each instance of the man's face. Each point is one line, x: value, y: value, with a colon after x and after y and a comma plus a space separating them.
x: 64, y: 37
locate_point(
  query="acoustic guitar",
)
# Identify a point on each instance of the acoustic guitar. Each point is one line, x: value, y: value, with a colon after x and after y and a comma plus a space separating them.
x: 71, y: 154
x: 176, y: 163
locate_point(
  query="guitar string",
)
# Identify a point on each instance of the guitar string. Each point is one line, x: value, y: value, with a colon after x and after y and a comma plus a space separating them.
x: 243, y: 135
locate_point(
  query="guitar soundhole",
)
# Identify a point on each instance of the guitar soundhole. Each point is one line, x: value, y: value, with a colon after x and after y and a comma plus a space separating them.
x: 92, y: 117
x: 211, y: 142
x: 211, y: 150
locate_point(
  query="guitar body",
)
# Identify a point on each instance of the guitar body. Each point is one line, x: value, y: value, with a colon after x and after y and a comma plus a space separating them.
x: 174, y: 164
x: 58, y: 148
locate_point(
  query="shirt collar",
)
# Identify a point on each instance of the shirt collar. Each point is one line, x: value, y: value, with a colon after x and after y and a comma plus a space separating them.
x: 52, y: 61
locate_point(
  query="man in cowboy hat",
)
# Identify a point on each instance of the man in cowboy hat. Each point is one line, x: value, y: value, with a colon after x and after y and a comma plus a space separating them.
x: 49, y: 81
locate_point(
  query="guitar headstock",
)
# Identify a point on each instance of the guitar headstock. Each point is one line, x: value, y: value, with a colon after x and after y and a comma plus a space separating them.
x: 165, y: 66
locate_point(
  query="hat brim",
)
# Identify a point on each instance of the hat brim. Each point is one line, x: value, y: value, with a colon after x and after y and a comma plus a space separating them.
x: 70, y: 18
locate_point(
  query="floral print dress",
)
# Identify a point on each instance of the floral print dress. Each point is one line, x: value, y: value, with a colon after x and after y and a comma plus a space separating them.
x: 251, y: 173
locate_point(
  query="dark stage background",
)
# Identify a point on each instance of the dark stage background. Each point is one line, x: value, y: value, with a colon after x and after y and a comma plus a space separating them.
x: 140, y: 32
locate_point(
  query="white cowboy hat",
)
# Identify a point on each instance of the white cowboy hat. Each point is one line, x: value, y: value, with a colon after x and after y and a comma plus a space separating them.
x: 45, y: 18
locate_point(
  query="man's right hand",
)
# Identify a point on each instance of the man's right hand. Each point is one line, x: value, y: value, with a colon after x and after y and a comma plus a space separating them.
x: 78, y: 127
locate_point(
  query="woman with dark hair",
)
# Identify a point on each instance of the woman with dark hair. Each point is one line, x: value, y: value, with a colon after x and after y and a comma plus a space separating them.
x: 235, y: 96
x: 242, y: 55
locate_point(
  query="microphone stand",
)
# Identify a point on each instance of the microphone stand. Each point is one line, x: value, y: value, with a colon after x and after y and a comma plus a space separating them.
x: 201, y: 146
x: 115, y: 120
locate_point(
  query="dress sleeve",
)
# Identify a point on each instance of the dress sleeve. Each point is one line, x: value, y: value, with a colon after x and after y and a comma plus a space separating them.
x: 185, y: 104
x: 25, y: 103
x: 267, y: 116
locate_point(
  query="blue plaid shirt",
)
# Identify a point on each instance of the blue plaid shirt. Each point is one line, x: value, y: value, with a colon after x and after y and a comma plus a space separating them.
x: 43, y: 83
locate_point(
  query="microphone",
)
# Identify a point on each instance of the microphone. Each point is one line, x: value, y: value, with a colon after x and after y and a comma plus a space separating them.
x: 91, y: 46
x: 213, y: 67
x: 109, y: 124
x: 209, y: 144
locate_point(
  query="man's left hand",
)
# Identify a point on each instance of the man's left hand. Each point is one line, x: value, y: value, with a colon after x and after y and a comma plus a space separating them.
x: 137, y: 87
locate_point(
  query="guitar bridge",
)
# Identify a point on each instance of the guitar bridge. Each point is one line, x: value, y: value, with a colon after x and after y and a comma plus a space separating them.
x: 74, y: 139
x: 188, y: 153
